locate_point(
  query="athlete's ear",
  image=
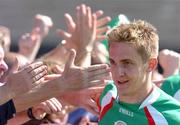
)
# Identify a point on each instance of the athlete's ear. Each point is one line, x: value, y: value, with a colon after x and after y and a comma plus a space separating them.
x: 152, y: 64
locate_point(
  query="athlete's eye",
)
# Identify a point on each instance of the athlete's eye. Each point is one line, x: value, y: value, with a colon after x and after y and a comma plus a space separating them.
x: 112, y: 62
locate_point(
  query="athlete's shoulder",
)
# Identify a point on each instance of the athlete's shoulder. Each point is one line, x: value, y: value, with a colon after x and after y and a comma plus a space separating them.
x: 110, y: 91
x: 165, y: 110
x: 172, y: 86
x: 172, y: 80
x: 168, y: 107
x: 108, y: 95
x: 107, y: 98
x: 164, y: 98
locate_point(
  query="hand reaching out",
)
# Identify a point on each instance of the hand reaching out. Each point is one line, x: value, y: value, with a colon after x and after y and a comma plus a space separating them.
x: 42, y: 25
x: 170, y: 62
x: 51, y: 106
x: 20, y: 82
x: 76, y: 78
x: 84, y: 98
x: 87, y: 28
x: 30, y: 43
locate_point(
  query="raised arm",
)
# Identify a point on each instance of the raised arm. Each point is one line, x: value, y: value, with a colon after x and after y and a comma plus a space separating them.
x: 81, y: 35
x: 72, y: 79
x: 30, y: 43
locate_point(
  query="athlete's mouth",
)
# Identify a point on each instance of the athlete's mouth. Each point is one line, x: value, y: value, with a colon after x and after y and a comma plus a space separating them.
x: 122, y: 82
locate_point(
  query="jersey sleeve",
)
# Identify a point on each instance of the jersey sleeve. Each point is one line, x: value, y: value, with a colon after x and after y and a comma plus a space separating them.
x: 107, y: 97
x: 172, y: 86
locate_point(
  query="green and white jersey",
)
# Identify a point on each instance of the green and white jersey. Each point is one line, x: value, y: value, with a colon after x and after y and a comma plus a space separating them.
x: 172, y: 86
x: 157, y: 109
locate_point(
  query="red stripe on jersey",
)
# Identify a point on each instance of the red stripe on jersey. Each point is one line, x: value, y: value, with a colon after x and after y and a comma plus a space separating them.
x: 149, y: 117
x: 98, y: 104
x: 106, y: 108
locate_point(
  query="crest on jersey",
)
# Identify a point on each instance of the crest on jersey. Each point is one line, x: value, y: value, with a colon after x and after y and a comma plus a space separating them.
x: 120, y: 123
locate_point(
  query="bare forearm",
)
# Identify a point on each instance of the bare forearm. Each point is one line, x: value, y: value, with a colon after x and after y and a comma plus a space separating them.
x: 40, y: 94
x: 5, y: 94
x: 19, y: 119
x: 59, y: 55
x: 83, y: 59
x: 31, y: 56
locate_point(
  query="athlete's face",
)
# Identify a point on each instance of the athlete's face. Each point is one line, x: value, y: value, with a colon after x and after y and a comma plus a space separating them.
x: 3, y: 65
x: 127, y: 68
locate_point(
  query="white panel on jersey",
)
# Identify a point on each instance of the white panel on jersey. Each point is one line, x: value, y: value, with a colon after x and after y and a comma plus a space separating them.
x: 151, y: 98
x: 158, y: 118
x: 177, y: 95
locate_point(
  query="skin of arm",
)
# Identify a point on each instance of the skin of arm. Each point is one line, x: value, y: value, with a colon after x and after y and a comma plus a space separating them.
x: 14, y: 87
x: 170, y: 62
x: 84, y: 32
x: 30, y: 43
x: 72, y: 79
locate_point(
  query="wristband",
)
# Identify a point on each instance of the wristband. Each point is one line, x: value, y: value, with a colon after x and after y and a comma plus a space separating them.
x: 30, y: 113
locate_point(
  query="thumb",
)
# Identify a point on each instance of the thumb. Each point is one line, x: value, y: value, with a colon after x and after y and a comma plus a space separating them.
x: 15, y: 66
x: 63, y: 34
x: 39, y: 113
x: 70, y: 61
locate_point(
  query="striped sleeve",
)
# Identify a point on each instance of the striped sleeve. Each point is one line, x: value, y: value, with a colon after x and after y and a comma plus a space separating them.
x: 106, y: 99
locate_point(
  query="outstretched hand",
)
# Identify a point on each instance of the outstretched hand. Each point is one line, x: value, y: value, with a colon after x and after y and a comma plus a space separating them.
x: 87, y: 28
x: 76, y: 78
x: 42, y: 25
x: 20, y: 82
x: 170, y: 62
x: 51, y: 106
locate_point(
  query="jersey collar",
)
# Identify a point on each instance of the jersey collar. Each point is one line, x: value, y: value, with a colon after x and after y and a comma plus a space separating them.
x: 153, y: 96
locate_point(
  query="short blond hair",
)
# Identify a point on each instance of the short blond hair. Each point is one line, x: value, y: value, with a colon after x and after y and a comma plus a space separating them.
x: 141, y: 34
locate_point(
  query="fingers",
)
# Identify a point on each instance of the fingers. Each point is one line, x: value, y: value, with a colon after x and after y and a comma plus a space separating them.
x: 51, y: 77
x: 92, y: 107
x: 44, y: 19
x: 103, y: 21
x: 32, y: 66
x: 57, y: 69
x: 78, y: 19
x: 37, y: 71
x: 63, y: 34
x: 94, y: 19
x: 92, y: 83
x: 96, y: 67
x: 55, y: 105
x: 89, y: 17
x: 98, y: 74
x: 70, y: 23
x: 70, y: 61
x: 98, y: 13
x: 38, y: 76
x: 102, y: 30
x: 101, y: 33
x: 52, y: 106
x: 83, y: 15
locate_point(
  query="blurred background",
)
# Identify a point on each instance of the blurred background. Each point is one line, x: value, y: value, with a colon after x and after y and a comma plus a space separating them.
x: 18, y: 15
